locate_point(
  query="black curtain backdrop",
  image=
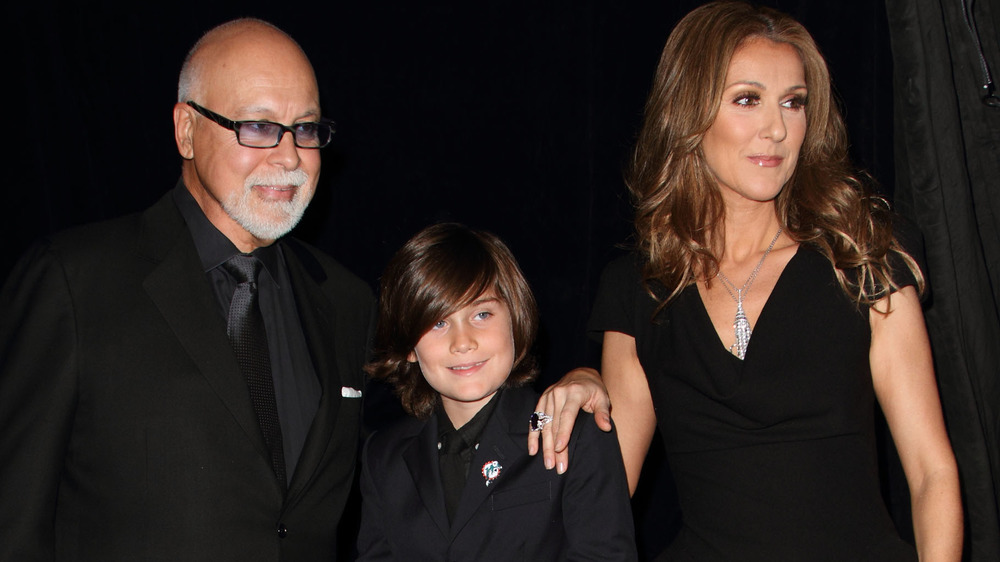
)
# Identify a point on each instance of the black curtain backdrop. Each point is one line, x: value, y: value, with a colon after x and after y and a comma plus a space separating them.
x: 516, y: 118
x: 948, y: 165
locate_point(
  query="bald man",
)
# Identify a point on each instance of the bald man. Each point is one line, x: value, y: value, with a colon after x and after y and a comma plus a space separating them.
x: 137, y: 422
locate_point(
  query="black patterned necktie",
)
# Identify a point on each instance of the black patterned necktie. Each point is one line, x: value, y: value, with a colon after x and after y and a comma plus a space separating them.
x: 245, y: 328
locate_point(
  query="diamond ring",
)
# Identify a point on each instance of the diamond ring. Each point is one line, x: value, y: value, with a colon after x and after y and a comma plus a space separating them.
x: 538, y: 421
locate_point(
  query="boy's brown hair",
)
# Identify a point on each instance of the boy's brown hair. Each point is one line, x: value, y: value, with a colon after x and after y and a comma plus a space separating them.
x: 443, y: 269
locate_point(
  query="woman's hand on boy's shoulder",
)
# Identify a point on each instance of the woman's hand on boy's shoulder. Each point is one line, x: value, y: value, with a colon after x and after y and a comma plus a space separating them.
x: 579, y: 389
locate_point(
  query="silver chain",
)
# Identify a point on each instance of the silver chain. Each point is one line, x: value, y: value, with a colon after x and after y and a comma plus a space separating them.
x: 741, y: 325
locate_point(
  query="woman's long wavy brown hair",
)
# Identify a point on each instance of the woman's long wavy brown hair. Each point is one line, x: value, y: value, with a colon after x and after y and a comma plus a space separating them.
x: 679, y: 210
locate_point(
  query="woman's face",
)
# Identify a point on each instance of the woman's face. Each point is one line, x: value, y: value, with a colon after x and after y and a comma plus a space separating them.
x: 753, y: 144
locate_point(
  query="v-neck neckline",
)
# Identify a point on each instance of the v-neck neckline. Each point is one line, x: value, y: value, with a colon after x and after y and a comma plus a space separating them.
x: 706, y: 318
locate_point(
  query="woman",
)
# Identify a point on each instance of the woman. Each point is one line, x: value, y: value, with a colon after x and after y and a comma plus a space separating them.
x: 767, y: 305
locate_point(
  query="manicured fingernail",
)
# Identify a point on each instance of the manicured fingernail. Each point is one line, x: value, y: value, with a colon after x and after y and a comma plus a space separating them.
x: 561, y: 469
x: 549, y: 463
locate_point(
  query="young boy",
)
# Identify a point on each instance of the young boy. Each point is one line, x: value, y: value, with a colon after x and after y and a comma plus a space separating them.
x: 455, y: 482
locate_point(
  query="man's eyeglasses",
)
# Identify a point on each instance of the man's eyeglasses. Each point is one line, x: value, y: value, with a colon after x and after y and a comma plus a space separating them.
x: 267, y: 134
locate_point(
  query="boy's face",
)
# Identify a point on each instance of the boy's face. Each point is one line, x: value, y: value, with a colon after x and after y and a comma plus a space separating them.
x: 467, y: 356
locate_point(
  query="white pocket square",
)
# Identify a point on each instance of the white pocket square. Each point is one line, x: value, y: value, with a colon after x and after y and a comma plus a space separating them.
x: 348, y: 392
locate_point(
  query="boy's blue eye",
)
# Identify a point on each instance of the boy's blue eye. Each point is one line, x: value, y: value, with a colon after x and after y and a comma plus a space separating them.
x: 484, y: 315
x: 440, y: 324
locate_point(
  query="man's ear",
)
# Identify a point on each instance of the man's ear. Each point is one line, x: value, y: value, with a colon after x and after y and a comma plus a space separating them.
x: 184, y: 130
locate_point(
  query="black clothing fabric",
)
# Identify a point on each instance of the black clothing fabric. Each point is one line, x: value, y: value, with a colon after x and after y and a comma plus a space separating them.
x: 511, y: 507
x: 456, y: 447
x: 945, y: 66
x: 297, y: 389
x: 245, y: 328
x: 774, y: 455
x: 128, y: 431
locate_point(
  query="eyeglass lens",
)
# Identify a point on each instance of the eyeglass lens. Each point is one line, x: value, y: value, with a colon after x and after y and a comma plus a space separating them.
x: 263, y: 134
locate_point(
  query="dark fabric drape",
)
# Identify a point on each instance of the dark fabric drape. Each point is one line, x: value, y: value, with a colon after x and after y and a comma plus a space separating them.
x: 948, y: 182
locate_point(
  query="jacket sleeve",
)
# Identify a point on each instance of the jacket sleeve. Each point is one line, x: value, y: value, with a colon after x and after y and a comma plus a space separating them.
x: 596, y: 506
x: 38, y: 374
x: 373, y: 543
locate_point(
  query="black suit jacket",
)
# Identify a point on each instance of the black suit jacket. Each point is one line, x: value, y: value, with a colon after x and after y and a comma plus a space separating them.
x: 127, y: 428
x: 524, y: 513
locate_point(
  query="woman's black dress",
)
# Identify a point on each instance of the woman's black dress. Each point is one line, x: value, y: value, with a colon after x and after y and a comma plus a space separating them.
x: 773, y: 456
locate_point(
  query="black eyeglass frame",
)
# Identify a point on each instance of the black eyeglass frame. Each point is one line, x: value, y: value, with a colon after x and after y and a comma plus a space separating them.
x: 234, y: 126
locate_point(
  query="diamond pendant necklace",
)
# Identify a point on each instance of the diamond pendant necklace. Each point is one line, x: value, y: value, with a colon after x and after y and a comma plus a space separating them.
x: 741, y: 325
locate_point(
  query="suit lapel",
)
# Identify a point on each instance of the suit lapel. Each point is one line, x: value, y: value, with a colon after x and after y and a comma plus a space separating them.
x: 178, y: 287
x: 422, y: 460
x: 499, y: 443
x: 316, y: 315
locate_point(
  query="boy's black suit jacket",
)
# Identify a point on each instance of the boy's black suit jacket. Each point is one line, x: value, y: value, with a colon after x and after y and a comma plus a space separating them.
x: 525, y: 513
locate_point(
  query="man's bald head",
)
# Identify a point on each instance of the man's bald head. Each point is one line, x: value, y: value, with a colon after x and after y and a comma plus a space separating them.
x: 225, y: 37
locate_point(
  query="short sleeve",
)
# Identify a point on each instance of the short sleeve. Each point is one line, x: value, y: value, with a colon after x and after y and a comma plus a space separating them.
x: 912, y: 242
x: 615, y: 307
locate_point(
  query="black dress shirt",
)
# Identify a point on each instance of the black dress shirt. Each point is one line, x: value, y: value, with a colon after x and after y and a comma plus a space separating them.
x: 297, y: 389
x: 455, y: 447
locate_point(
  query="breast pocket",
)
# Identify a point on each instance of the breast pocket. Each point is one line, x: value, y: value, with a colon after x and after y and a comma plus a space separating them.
x: 524, y: 495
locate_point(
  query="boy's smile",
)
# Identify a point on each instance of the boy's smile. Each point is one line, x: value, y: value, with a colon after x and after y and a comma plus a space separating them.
x: 467, y: 356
